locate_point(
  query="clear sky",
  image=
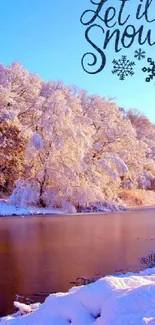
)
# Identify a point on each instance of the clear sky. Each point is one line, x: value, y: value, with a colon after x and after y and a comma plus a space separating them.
x: 47, y: 38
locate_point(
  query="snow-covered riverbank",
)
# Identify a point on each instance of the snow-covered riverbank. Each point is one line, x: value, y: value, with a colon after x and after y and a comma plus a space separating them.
x: 7, y: 209
x: 114, y: 300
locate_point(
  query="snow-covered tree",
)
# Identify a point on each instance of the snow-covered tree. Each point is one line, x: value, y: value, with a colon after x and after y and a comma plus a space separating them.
x: 57, y: 147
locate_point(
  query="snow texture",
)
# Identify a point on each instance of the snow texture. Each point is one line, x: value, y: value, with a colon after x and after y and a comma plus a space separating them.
x: 114, y: 300
x: 7, y: 209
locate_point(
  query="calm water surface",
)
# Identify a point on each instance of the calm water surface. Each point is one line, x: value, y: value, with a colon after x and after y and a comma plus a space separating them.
x: 47, y: 253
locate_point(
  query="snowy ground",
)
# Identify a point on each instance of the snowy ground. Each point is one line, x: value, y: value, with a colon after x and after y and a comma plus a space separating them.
x: 7, y: 209
x: 114, y: 300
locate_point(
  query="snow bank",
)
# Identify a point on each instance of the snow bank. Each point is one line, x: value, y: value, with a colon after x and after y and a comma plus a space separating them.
x: 113, y: 300
x: 7, y: 209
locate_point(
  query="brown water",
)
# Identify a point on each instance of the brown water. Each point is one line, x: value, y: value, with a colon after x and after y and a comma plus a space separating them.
x: 47, y: 253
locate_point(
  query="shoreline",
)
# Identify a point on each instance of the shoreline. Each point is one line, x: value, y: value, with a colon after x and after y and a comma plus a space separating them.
x: 58, y: 214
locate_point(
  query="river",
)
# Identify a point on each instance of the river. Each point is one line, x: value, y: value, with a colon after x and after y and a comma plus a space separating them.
x: 47, y: 253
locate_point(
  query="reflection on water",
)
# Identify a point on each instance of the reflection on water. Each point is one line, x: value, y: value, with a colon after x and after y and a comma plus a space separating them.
x: 47, y: 254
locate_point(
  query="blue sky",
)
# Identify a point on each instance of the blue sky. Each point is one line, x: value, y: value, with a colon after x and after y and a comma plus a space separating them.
x: 47, y: 38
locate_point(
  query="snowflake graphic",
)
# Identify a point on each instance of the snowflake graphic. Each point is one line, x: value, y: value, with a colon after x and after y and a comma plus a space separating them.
x: 139, y: 54
x: 123, y: 67
x: 150, y: 70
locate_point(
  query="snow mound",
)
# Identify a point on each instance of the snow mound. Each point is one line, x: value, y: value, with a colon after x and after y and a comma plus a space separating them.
x: 7, y: 209
x: 114, y: 300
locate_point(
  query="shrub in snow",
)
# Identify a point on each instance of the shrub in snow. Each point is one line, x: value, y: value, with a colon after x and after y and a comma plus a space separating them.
x: 51, y: 198
x: 54, y: 200
x: 84, y: 196
x: 105, y: 206
x: 26, y: 193
x: 68, y: 207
